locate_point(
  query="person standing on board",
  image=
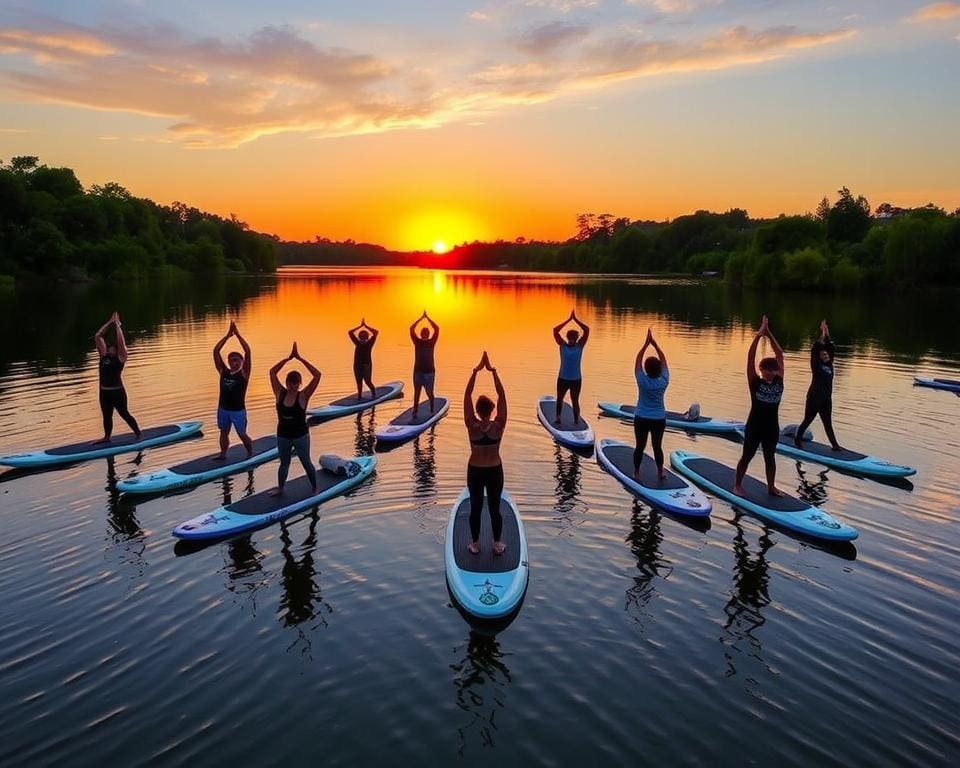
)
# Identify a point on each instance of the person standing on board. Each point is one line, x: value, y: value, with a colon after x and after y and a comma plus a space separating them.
x: 650, y: 416
x: 113, y: 395
x: 820, y: 393
x: 485, y: 468
x: 293, y: 435
x: 363, y: 338
x: 424, y: 367
x: 763, y: 423
x: 234, y: 377
x: 570, y: 377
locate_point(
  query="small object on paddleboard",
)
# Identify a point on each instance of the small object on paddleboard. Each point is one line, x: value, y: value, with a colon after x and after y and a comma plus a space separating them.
x: 677, y: 420
x: 568, y: 432
x: 338, y: 466
x: 785, y: 511
x: 263, y: 509
x: 202, y: 469
x: 92, y: 449
x: 951, y: 385
x: 673, y: 494
x: 486, y: 585
x: 405, y: 426
x: 350, y: 404
x: 849, y: 461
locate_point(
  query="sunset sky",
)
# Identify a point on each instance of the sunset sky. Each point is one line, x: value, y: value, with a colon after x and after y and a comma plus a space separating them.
x: 409, y: 123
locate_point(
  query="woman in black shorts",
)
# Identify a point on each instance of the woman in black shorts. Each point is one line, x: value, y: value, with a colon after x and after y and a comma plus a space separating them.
x: 113, y: 395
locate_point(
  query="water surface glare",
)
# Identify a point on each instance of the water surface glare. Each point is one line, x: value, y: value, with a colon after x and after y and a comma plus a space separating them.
x: 331, y: 639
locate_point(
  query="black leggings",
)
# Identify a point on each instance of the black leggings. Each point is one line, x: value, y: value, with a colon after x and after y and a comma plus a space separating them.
x: 573, y: 386
x: 653, y: 427
x: 822, y: 407
x: 491, y: 480
x: 755, y: 436
x: 115, y: 400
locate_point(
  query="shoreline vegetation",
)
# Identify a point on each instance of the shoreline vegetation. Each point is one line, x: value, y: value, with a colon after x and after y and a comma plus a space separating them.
x: 51, y: 227
x: 843, y: 246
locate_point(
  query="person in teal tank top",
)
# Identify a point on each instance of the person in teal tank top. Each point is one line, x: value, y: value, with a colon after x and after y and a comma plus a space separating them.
x: 570, y: 377
x: 650, y: 417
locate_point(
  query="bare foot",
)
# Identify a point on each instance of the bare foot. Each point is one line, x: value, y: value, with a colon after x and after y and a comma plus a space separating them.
x: 473, y: 548
x: 498, y: 547
x: 798, y: 442
x: 837, y: 448
x: 662, y: 473
x: 774, y: 491
x: 275, y: 492
x: 558, y: 421
x: 314, y: 488
x: 738, y: 491
x: 220, y: 457
x: 138, y: 435
x: 636, y: 474
x: 101, y: 441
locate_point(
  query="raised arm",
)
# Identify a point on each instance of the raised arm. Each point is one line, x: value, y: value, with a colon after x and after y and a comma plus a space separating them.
x: 656, y: 348
x: 752, y: 375
x: 436, y: 328
x: 501, y: 397
x: 314, y: 373
x: 218, y: 351
x: 584, y: 328
x: 556, y: 331
x: 247, y: 354
x: 469, y: 414
x: 121, y: 341
x: 638, y: 363
x: 413, y: 329
x: 352, y: 333
x: 275, y: 376
x: 777, y: 351
x: 98, y: 337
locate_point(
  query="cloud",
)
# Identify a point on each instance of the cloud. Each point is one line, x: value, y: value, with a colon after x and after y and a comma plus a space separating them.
x: 936, y: 12
x: 675, y: 6
x: 552, y: 36
x: 224, y: 92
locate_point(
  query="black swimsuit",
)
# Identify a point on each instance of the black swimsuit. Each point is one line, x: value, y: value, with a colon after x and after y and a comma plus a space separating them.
x: 292, y: 419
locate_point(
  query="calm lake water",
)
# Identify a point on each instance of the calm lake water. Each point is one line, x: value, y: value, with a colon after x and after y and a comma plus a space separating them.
x: 331, y: 639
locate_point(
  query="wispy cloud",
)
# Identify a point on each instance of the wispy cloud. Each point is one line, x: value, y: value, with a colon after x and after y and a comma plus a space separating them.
x: 222, y: 93
x: 936, y: 12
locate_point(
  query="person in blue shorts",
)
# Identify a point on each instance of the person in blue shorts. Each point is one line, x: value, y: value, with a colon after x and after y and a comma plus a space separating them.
x: 363, y: 338
x: 650, y: 417
x: 570, y: 376
x: 232, y: 406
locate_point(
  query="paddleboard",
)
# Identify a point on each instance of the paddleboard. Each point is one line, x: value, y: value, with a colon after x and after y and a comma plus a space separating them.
x: 350, y: 404
x: 90, y: 449
x: 261, y: 509
x: 673, y: 494
x: 951, y: 385
x: 676, y: 420
x: 848, y: 461
x: 486, y: 586
x: 405, y: 426
x: 786, y: 511
x: 576, y: 434
x: 200, y: 470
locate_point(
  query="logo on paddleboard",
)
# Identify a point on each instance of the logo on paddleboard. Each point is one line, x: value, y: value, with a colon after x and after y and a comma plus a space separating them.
x: 487, y: 597
x: 824, y: 521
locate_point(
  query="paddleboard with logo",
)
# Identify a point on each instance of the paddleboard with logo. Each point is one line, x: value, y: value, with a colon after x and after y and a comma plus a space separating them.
x: 486, y: 585
x: 672, y: 494
x: 675, y: 420
x: 848, y: 461
x: 785, y: 511
x: 201, y: 469
x: 91, y: 449
x: 569, y: 432
x: 352, y: 404
x: 406, y: 425
x: 262, y: 509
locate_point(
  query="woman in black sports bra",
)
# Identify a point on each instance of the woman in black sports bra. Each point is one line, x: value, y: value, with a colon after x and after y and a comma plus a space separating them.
x: 113, y: 395
x: 293, y: 436
x: 485, y: 469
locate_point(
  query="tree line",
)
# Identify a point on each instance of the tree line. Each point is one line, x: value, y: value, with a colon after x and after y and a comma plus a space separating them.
x: 841, y: 246
x: 50, y: 226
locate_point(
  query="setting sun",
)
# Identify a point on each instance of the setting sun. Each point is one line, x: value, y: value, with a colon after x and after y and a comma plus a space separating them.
x: 440, y: 247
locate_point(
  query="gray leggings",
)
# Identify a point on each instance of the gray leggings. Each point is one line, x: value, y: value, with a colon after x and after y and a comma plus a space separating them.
x: 287, y: 447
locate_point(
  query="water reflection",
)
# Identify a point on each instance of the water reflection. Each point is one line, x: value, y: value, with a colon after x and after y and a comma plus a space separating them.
x: 124, y: 529
x: 748, y: 597
x: 813, y: 485
x: 481, y: 680
x: 301, y: 600
x: 644, y: 540
x: 570, y: 511
x: 425, y: 464
x: 366, y: 437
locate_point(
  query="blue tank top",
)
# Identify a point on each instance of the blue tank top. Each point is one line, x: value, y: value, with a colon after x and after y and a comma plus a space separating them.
x: 570, y: 358
x: 650, y: 401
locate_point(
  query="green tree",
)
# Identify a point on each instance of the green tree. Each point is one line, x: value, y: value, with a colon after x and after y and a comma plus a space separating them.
x: 849, y: 219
